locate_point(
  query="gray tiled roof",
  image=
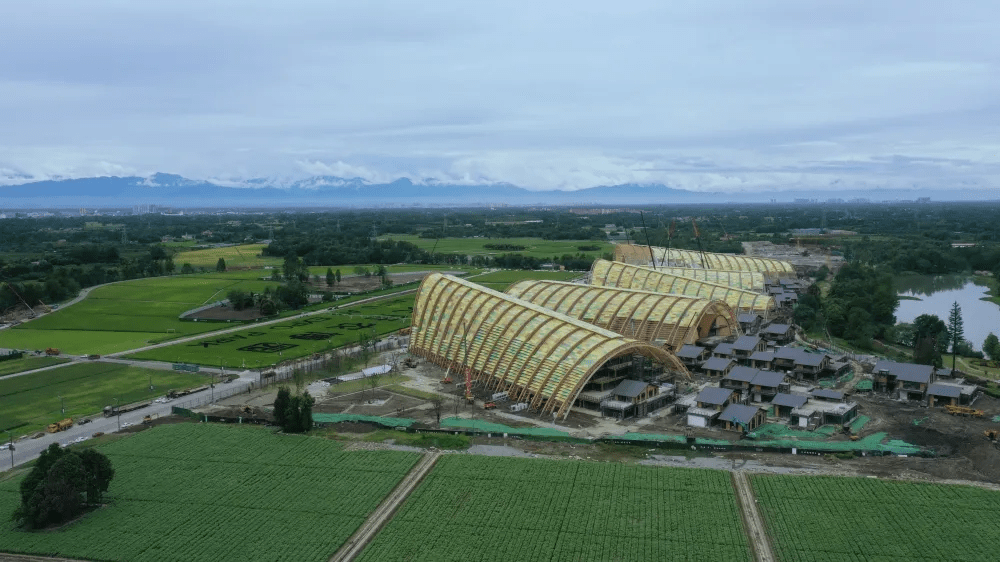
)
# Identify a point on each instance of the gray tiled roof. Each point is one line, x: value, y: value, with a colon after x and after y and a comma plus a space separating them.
x: 768, y: 378
x: 714, y: 395
x: 746, y: 343
x: 717, y: 364
x: 776, y: 329
x: 909, y: 372
x: 723, y: 349
x: 690, y: 351
x: 630, y: 388
x: 747, y: 318
x: 944, y: 390
x: 762, y: 356
x: 828, y: 394
x: 810, y: 359
x: 738, y: 413
x: 789, y: 400
x: 741, y: 373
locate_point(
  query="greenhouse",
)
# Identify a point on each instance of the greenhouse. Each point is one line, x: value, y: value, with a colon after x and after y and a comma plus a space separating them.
x: 645, y: 255
x: 615, y: 274
x: 667, y: 320
x: 538, y: 356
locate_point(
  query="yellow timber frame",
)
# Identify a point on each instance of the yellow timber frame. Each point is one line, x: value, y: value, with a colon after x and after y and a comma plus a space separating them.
x: 616, y: 274
x: 634, y: 254
x: 538, y: 356
x: 667, y: 320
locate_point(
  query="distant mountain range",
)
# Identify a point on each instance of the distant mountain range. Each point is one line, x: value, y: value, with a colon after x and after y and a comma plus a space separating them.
x: 329, y: 191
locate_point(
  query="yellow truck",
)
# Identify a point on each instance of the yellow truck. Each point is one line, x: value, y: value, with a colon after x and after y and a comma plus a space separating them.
x: 60, y: 425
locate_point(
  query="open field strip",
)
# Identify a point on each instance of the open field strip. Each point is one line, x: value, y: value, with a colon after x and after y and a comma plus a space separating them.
x: 535, y: 247
x: 265, y: 344
x: 32, y: 401
x: 244, y: 255
x: 496, y: 508
x: 217, y: 493
x: 28, y: 364
x: 825, y: 518
x: 509, y: 276
x: 126, y: 315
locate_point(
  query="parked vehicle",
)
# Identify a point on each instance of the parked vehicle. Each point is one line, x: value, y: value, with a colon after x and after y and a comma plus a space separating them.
x: 60, y: 425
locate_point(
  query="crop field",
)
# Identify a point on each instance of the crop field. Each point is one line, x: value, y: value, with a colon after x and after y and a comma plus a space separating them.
x: 27, y: 363
x: 217, y: 493
x: 499, y: 508
x: 500, y: 280
x: 834, y: 518
x: 130, y: 314
x: 297, y: 337
x: 536, y: 247
x: 243, y: 256
x: 30, y: 402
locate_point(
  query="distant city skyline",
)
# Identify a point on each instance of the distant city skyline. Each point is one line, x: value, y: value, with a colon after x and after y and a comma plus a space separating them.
x: 728, y: 96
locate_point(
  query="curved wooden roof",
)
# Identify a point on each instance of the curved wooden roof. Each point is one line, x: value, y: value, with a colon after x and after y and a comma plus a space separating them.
x: 640, y: 255
x: 615, y: 274
x: 537, y: 355
x: 667, y: 320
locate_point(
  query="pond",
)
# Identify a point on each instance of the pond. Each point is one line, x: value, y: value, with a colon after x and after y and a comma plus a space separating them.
x: 938, y: 292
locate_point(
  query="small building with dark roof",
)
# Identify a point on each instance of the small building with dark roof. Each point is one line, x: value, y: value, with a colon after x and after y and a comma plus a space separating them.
x: 724, y: 350
x: 745, y: 346
x: 762, y: 359
x: 810, y: 365
x: 739, y: 378
x: 692, y: 355
x: 766, y: 384
x: 742, y: 418
x: 717, y: 367
x: 784, y: 403
x: 749, y: 322
x: 910, y: 380
x: 784, y: 358
x: 632, y: 398
x: 778, y: 334
x: 945, y: 394
x: 716, y: 398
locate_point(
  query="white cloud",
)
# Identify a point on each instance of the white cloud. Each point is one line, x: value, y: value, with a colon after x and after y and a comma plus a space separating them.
x: 703, y: 95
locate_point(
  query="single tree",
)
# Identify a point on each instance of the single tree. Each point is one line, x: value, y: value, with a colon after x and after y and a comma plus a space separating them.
x: 220, y: 265
x: 330, y: 277
x: 437, y: 405
x: 281, y: 403
x: 337, y: 274
x: 187, y: 269
x: 991, y: 346
x: 305, y: 412
x: 956, y: 331
x: 55, y: 489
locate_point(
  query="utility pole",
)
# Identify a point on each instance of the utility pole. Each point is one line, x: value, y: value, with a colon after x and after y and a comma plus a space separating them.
x: 10, y: 438
x: 62, y: 405
x: 119, y: 412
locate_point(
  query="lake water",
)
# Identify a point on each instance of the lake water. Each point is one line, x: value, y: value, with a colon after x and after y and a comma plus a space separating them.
x: 938, y: 292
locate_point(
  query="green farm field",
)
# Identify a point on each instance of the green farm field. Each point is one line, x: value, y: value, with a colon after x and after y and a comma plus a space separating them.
x: 498, y: 508
x: 297, y: 337
x: 242, y: 256
x: 500, y: 280
x: 130, y: 314
x: 827, y: 519
x: 217, y: 493
x: 536, y: 247
x: 28, y: 363
x: 30, y: 402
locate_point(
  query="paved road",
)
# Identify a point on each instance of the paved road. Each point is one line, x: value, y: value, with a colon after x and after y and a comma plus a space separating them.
x: 28, y: 449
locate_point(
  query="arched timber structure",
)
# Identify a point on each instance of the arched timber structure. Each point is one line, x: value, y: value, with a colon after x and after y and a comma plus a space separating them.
x: 746, y: 280
x: 667, y: 320
x: 640, y: 255
x: 614, y: 274
x: 537, y: 355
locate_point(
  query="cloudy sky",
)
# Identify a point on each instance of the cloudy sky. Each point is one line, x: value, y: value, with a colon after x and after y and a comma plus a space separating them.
x: 703, y: 95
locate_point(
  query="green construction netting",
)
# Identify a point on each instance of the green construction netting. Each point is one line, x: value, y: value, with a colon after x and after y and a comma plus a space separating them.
x: 387, y: 422
x: 487, y: 427
x: 864, y: 385
x: 858, y: 423
x: 780, y: 431
x: 652, y: 437
x: 871, y: 443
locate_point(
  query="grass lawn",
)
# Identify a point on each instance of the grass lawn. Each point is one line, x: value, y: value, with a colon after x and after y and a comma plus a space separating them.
x: 243, y: 256
x: 298, y: 337
x: 365, y: 384
x: 28, y: 363
x: 86, y: 388
x: 509, y: 276
x: 536, y: 247
x: 218, y: 493
x: 126, y: 315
